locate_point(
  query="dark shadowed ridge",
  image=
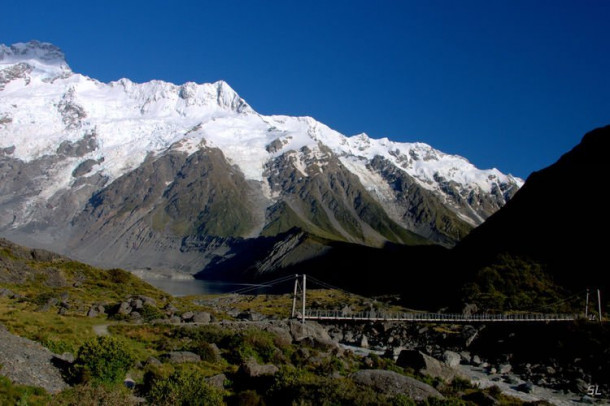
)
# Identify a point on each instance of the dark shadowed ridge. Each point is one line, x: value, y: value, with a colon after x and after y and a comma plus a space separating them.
x: 558, y: 218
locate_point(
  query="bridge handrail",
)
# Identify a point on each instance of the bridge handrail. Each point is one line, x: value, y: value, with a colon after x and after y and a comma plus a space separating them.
x: 402, y: 316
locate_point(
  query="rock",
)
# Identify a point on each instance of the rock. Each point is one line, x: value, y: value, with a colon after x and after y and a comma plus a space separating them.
x: 187, y: 316
x: 26, y: 362
x: 217, y: 381
x: 581, y: 385
x: 153, y: 361
x: 135, y: 315
x: 180, y: 357
x: 7, y: 293
x: 137, y: 303
x: 465, y: 356
x: 202, y: 317
x: 149, y: 301
x: 124, y: 308
x: 50, y: 303
x: 92, y: 312
x: 251, y: 316
x: 253, y: 369
x: 451, y: 358
x: 170, y: 309
x: 313, y: 333
x: 175, y: 320
x: 493, y: 371
x: 392, y: 383
x: 504, y: 368
x: 526, y: 387
x: 216, y: 354
x: 469, y: 334
x: 364, y: 342
x: 470, y: 309
x: 476, y: 360
x: 510, y: 379
x: 425, y: 364
x: 67, y: 357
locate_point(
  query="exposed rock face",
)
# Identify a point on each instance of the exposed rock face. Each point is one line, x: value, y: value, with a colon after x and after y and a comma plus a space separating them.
x: 27, y: 362
x: 392, y: 383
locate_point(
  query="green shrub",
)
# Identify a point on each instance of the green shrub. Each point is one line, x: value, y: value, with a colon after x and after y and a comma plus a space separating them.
x: 150, y: 313
x: 182, y: 387
x: 103, y: 359
x: 14, y: 394
x: 94, y: 395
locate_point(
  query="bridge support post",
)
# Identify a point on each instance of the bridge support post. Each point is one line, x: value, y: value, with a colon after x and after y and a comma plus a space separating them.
x: 587, y: 305
x: 304, y: 293
x: 294, y: 296
x: 599, y: 305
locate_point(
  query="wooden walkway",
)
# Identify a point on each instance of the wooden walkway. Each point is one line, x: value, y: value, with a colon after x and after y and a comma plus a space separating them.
x: 316, y: 314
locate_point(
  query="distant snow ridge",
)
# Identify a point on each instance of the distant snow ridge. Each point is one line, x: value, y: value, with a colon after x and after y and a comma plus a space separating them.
x: 44, y: 105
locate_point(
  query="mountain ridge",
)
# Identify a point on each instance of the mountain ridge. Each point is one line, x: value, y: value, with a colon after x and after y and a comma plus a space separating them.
x: 71, y: 138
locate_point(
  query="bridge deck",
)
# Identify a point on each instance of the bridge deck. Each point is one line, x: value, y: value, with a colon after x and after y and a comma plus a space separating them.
x: 314, y: 314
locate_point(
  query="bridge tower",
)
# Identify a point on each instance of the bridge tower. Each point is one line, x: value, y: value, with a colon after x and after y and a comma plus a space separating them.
x: 302, y: 289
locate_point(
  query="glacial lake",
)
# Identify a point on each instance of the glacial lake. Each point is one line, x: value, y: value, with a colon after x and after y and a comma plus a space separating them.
x: 186, y: 287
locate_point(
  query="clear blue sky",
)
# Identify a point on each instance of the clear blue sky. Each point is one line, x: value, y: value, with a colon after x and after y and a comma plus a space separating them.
x: 506, y: 84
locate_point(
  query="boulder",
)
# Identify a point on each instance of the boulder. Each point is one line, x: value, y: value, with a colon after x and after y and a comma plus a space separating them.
x: 137, y: 303
x: 426, y: 365
x: 187, y: 316
x: 469, y: 334
x: 504, y: 368
x: 124, y: 308
x: 470, y: 309
x: 392, y: 383
x: 313, y: 333
x: 465, y: 356
x: 253, y: 369
x: 451, y: 359
x: 217, y: 381
x: 202, y: 317
x: 364, y: 342
x: 7, y: 293
x: 180, y: 357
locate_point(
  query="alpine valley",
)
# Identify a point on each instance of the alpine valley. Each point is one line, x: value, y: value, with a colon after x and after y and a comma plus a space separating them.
x: 189, y: 178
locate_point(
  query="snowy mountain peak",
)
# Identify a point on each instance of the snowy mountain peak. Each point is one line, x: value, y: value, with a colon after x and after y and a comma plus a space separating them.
x: 41, y: 58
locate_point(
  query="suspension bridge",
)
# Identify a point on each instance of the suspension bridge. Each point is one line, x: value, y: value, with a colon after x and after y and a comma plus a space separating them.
x: 301, y: 311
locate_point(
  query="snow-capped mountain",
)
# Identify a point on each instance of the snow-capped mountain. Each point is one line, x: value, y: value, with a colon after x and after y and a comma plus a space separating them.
x: 123, y: 167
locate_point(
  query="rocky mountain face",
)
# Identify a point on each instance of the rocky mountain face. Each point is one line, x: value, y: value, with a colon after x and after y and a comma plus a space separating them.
x: 183, y: 177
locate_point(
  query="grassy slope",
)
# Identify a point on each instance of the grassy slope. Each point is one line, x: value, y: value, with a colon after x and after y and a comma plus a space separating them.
x: 38, y: 277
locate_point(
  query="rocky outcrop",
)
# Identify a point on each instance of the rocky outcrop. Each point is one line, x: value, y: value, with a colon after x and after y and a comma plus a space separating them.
x: 26, y: 362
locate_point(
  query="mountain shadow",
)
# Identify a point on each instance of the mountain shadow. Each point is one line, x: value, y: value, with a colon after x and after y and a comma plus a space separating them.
x: 553, y: 231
